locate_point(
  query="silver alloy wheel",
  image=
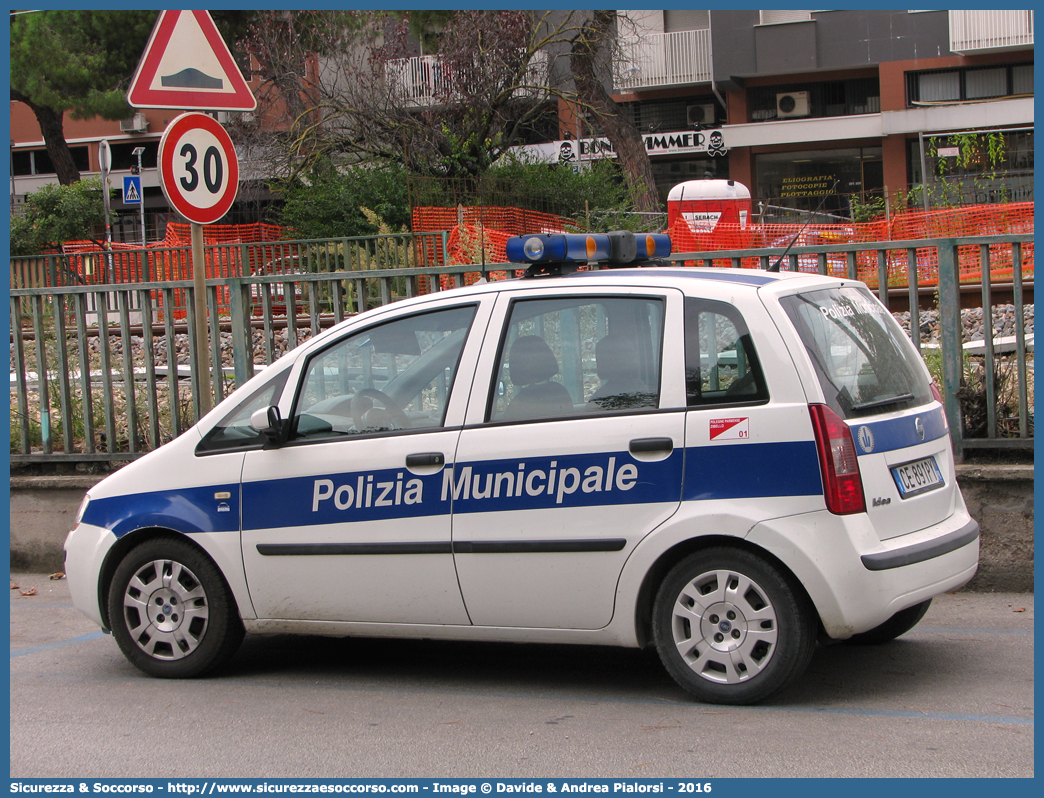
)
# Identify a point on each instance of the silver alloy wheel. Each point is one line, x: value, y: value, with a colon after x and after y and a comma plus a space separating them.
x: 724, y: 626
x: 166, y: 610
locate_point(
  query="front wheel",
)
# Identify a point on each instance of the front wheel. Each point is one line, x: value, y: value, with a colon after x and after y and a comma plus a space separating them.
x: 730, y: 628
x: 171, y: 612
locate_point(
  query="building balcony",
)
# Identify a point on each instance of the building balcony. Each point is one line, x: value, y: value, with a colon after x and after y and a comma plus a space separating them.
x: 990, y: 31
x: 663, y: 59
x: 427, y: 80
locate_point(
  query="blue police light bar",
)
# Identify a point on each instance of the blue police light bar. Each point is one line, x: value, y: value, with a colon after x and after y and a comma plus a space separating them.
x: 558, y: 247
x: 558, y: 253
x: 656, y: 245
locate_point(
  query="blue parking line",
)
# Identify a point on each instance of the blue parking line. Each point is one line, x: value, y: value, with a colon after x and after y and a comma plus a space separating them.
x: 897, y: 713
x: 49, y: 646
x: 970, y: 630
x: 908, y: 713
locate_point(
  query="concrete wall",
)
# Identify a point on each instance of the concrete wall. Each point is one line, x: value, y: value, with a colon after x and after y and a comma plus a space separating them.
x: 999, y: 497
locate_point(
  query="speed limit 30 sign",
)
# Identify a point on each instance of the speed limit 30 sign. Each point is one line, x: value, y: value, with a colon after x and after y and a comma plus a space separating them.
x: 198, y: 168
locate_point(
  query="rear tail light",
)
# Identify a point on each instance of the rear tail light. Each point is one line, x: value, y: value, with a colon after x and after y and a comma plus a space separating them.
x: 937, y: 395
x: 842, y: 485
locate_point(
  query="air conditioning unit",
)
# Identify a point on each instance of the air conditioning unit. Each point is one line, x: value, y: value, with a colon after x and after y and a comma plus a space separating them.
x: 135, y: 124
x: 793, y: 103
x: 699, y: 114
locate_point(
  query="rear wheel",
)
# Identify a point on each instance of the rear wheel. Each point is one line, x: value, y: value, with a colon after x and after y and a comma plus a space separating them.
x: 170, y: 610
x: 899, y: 624
x: 730, y: 628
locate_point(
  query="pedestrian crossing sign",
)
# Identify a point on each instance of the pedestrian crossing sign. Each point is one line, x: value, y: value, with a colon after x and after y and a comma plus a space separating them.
x: 132, y: 189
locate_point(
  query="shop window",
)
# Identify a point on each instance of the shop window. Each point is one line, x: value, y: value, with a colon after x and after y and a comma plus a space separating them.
x: 794, y: 183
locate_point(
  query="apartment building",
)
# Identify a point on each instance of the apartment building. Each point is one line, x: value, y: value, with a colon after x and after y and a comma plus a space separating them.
x: 802, y: 105
x: 795, y: 104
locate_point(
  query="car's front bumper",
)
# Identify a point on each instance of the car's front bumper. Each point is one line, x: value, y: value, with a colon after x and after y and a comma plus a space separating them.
x: 85, y: 549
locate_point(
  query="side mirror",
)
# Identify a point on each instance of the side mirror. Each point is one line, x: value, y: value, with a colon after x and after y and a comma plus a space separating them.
x: 269, y: 423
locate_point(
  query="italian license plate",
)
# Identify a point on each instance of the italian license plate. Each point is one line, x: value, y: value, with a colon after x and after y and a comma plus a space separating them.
x: 917, y: 477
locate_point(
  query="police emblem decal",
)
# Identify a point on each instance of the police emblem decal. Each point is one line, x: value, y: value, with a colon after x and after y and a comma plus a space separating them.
x: 866, y: 439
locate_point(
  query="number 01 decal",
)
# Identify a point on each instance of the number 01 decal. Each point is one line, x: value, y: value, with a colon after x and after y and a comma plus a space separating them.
x: 198, y: 167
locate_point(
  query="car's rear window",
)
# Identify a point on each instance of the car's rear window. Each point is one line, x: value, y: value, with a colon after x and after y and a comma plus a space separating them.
x: 862, y: 358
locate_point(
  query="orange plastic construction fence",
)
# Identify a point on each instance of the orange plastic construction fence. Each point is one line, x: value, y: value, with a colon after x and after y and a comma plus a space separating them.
x: 906, y: 226
x: 179, y: 234
x: 479, y: 235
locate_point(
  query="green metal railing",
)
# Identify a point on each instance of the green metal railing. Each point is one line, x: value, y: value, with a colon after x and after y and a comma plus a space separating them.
x: 89, y: 384
x: 128, y: 264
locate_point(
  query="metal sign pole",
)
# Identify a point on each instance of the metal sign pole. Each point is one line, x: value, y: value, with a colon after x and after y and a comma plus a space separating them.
x: 141, y: 204
x: 105, y: 158
x: 199, y: 284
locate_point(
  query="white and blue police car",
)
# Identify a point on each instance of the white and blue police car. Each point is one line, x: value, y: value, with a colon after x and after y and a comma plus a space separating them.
x: 728, y: 465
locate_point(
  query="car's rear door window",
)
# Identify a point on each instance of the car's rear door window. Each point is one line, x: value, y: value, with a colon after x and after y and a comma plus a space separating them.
x: 572, y: 356
x: 721, y: 364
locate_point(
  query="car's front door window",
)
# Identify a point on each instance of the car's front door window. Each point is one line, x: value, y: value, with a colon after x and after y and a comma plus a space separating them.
x: 396, y: 376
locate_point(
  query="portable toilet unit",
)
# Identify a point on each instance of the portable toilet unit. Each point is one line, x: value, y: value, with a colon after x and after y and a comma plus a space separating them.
x: 705, y: 204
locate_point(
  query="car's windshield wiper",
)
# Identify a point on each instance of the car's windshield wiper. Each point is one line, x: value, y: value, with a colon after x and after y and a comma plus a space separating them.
x: 903, y: 397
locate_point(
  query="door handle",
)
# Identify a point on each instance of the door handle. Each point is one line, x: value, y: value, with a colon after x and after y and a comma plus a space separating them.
x: 425, y: 459
x: 651, y: 445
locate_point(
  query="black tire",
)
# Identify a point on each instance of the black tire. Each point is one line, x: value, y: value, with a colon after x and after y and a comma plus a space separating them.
x: 193, y: 624
x: 756, y: 635
x: 899, y: 624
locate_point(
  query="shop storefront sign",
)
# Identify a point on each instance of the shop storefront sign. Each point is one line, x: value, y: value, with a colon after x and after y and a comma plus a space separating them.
x: 808, y: 186
x: 704, y: 142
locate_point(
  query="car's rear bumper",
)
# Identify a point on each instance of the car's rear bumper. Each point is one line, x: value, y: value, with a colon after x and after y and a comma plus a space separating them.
x: 925, y: 550
x: 857, y: 581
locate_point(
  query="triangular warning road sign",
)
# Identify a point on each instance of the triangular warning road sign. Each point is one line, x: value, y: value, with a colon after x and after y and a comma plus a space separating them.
x: 187, y: 66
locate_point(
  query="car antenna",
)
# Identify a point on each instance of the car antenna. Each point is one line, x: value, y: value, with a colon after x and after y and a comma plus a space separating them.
x: 775, y: 266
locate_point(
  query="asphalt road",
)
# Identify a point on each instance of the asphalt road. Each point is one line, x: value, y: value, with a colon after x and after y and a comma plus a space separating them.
x: 953, y: 698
